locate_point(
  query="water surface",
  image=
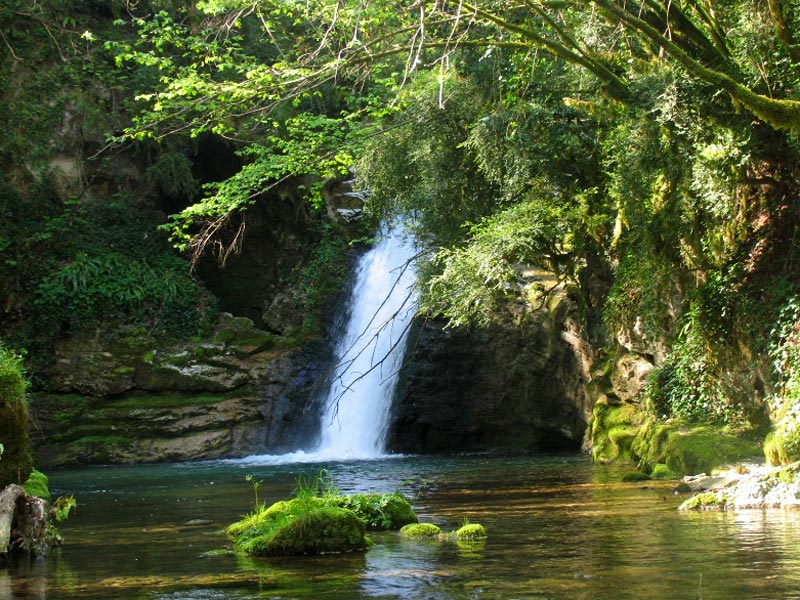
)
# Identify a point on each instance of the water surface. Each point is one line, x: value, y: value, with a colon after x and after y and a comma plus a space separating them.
x: 559, y: 527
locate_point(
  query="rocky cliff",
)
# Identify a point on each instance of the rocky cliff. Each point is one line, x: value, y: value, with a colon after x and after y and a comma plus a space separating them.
x: 131, y: 400
x: 519, y: 385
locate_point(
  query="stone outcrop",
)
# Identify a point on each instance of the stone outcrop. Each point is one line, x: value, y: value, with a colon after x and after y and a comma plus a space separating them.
x: 129, y: 400
x: 519, y: 385
x: 746, y: 486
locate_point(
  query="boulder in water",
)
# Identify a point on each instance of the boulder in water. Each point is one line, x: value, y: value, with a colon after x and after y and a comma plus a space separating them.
x: 420, y: 530
x: 320, y: 530
x: 471, y: 532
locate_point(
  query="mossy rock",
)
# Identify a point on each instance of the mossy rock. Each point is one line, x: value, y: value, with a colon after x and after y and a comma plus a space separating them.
x: 782, y: 448
x: 636, y: 476
x: 379, y: 511
x: 663, y: 472
x: 613, y: 428
x: 690, y: 449
x: 320, y: 531
x: 420, y: 530
x: 706, y: 501
x: 38, y: 485
x: 267, y: 518
x: 471, y: 532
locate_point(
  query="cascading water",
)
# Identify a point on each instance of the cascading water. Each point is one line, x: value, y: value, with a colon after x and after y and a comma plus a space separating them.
x: 356, y: 406
x: 356, y: 410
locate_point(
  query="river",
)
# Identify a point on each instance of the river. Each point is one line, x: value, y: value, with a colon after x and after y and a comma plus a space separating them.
x: 558, y: 526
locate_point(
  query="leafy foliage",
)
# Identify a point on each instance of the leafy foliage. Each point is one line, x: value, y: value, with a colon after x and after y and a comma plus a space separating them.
x: 785, y: 401
x: 15, y: 459
x: 476, y: 278
x: 84, y: 264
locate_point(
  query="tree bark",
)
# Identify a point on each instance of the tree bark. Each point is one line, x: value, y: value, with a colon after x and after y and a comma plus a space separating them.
x: 23, y: 522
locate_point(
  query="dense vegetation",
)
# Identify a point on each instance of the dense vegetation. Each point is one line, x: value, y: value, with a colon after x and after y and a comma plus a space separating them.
x: 646, y: 153
x: 15, y: 451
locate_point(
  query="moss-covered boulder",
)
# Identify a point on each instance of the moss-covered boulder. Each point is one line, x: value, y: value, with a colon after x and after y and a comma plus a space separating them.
x: 471, y: 532
x: 420, y: 530
x: 379, y: 511
x: 706, y: 501
x: 782, y: 446
x: 663, y: 472
x: 15, y: 462
x: 687, y: 449
x: 287, y: 529
x: 612, y: 429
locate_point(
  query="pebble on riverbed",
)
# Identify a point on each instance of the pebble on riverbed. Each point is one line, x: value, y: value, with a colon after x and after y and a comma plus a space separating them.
x: 746, y: 486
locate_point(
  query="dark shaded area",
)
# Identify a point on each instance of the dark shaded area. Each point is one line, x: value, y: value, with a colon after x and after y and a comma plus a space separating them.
x: 275, y: 240
x: 511, y: 388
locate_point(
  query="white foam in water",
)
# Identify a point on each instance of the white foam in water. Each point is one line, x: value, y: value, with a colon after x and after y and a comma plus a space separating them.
x: 356, y: 411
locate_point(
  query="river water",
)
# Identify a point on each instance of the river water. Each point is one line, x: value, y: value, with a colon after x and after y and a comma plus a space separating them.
x: 558, y: 526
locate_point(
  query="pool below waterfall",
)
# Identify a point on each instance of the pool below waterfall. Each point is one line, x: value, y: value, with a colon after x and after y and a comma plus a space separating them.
x: 558, y: 526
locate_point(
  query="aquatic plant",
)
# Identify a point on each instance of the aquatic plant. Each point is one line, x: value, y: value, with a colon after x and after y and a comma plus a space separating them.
x: 37, y: 485
x: 379, y: 511
x: 256, y: 485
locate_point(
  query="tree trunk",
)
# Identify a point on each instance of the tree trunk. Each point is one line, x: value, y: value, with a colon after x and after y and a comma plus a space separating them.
x: 23, y: 522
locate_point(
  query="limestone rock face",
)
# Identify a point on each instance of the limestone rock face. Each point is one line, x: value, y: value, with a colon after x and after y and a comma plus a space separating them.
x: 132, y: 401
x: 518, y: 385
x: 629, y: 376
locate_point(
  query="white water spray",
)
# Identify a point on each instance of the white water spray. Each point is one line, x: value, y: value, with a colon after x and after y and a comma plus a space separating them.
x: 357, y: 407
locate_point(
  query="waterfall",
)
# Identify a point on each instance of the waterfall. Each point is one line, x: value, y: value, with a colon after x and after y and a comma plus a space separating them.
x: 355, y: 415
x: 356, y: 405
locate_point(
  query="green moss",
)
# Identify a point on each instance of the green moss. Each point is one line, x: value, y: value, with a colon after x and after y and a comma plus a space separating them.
x: 37, y: 485
x: 782, y: 447
x: 471, y: 531
x: 788, y: 475
x: 636, y: 476
x: 706, y: 501
x: 323, y: 530
x: 70, y: 407
x: 662, y: 471
x: 107, y: 440
x: 613, y: 429
x: 16, y: 462
x: 420, y: 530
x: 689, y: 449
x: 266, y: 519
x: 379, y: 511
x: 172, y: 400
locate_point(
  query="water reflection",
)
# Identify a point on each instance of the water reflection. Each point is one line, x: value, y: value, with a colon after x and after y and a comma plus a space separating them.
x: 558, y: 528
